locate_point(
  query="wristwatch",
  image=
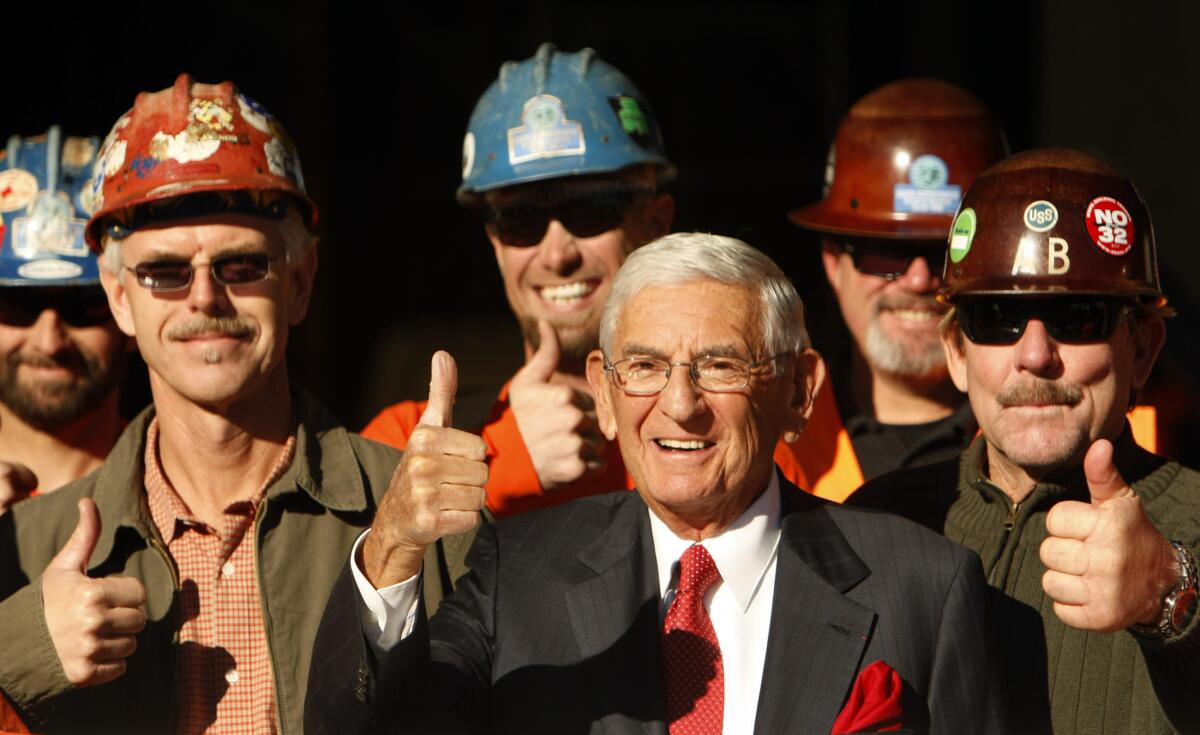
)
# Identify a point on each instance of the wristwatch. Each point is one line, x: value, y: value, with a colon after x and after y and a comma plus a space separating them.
x: 1179, y: 604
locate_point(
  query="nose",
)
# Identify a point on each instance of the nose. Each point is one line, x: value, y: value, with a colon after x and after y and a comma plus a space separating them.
x: 921, y: 276
x: 558, y: 250
x: 205, y: 295
x: 48, y: 335
x: 681, y: 399
x: 1036, y: 351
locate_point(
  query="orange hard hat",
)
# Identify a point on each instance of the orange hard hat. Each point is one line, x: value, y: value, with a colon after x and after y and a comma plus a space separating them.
x: 1048, y: 222
x: 190, y: 139
x: 902, y: 157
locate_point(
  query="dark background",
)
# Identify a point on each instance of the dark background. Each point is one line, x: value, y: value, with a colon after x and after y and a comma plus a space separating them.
x: 377, y: 95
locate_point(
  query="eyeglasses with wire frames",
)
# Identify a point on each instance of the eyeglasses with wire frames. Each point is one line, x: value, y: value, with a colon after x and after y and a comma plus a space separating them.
x: 647, y: 376
x: 227, y: 270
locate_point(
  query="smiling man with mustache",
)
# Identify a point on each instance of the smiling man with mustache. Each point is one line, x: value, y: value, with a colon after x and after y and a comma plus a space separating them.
x: 1089, y: 541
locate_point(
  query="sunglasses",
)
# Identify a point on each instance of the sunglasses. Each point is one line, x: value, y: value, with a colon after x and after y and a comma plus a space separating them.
x: 1073, y: 320
x: 890, y: 261
x: 524, y: 225
x: 78, y: 307
x: 228, y: 270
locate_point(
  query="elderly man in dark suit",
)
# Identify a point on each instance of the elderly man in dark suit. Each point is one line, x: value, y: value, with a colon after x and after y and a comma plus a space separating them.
x: 715, y: 598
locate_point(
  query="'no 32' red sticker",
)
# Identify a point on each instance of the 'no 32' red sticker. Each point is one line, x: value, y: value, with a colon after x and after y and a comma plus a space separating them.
x: 1109, y: 225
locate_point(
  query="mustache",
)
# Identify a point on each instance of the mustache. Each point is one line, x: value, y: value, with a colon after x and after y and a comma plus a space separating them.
x: 224, y: 326
x: 1041, y: 392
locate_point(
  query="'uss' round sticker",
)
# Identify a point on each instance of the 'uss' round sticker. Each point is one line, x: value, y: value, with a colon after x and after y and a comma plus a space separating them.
x: 1109, y: 225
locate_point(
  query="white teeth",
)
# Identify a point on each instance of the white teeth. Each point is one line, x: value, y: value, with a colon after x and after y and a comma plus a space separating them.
x: 682, y: 444
x: 567, y: 291
x: 915, y: 314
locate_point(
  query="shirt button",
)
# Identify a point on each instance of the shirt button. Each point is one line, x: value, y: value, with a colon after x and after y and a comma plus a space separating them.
x: 227, y: 570
x: 232, y: 676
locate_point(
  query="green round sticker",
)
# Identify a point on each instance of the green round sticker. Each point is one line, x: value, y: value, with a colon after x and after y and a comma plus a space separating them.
x: 962, y: 234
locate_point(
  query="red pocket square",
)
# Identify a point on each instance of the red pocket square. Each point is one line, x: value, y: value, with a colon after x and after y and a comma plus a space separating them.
x: 874, y: 704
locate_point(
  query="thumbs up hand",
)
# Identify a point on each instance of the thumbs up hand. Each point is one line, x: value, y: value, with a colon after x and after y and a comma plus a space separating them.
x: 16, y: 482
x: 557, y: 422
x: 1108, y: 567
x: 92, y: 622
x: 436, y: 490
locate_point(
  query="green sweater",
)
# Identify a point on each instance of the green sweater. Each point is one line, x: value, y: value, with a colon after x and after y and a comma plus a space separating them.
x: 1063, y: 680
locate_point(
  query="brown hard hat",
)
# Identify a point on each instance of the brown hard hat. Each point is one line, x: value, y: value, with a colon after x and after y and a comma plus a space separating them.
x: 1052, y: 221
x: 902, y: 158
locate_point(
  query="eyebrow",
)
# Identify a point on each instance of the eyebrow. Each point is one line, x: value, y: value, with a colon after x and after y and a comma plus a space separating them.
x: 158, y: 254
x: 725, y: 350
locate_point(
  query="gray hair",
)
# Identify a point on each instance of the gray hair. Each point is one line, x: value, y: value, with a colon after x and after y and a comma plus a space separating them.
x: 295, y: 235
x: 686, y: 257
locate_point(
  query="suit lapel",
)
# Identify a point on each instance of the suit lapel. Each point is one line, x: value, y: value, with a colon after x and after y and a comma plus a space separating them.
x: 613, y: 612
x: 818, y: 635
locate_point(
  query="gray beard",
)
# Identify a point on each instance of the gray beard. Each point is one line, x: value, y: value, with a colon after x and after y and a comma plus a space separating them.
x: 896, y: 358
x: 50, y: 406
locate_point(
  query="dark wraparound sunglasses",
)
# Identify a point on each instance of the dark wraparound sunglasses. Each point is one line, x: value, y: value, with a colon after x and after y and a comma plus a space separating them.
x: 80, y: 307
x: 524, y: 225
x: 1073, y: 320
x: 891, y: 261
x: 228, y: 270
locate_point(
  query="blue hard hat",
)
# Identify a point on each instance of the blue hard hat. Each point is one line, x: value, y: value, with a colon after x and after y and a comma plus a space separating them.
x: 44, y: 208
x: 558, y: 114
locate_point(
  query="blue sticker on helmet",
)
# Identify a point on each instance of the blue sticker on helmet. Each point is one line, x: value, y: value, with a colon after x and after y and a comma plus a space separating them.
x: 927, y: 190
x: 545, y: 132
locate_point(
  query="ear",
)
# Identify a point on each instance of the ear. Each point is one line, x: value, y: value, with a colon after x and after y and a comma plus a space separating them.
x: 301, y: 276
x: 118, y: 302
x: 1149, y: 333
x: 602, y: 392
x: 658, y: 214
x: 831, y: 260
x: 953, y: 344
x: 808, y: 375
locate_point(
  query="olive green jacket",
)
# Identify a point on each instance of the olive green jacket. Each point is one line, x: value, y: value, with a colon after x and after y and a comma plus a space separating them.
x: 304, y: 531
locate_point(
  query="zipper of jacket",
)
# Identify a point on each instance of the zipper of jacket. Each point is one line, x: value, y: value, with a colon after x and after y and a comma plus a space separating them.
x: 262, y: 603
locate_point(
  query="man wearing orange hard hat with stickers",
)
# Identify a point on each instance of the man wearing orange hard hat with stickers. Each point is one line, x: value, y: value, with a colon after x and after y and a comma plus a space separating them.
x: 187, y: 595
x: 1057, y: 319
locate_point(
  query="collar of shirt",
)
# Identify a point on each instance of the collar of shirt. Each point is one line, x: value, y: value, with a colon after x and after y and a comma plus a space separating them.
x: 742, y: 552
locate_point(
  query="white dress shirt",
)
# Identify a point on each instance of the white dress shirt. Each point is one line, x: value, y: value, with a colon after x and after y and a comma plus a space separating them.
x: 739, y: 603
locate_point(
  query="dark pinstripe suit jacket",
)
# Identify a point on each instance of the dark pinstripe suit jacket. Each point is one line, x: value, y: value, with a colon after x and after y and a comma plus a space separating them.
x: 555, y: 630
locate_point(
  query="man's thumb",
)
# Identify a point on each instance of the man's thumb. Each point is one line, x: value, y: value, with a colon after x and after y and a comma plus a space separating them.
x: 1103, y: 479
x: 443, y: 384
x: 545, y: 361
x: 75, y: 554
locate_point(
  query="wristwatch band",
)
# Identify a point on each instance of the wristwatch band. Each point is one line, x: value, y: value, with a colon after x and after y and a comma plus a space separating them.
x: 1179, y: 604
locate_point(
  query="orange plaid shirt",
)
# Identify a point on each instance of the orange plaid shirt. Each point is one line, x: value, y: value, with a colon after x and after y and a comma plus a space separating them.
x: 223, y: 677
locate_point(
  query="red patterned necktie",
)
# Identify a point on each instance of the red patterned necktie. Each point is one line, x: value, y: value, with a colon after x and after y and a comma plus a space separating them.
x: 693, y: 674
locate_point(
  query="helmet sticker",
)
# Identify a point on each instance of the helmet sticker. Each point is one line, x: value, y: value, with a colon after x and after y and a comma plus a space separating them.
x: 1040, y: 215
x: 468, y: 154
x: 830, y: 169
x: 1109, y: 225
x: 210, y: 124
x: 77, y: 152
x: 633, y: 118
x: 927, y: 190
x: 545, y: 132
x: 50, y: 227
x: 283, y: 161
x: 18, y: 187
x: 962, y: 234
x: 49, y: 269
x: 254, y: 114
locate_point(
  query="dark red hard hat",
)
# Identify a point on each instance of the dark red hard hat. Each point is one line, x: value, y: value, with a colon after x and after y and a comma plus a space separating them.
x: 902, y: 158
x: 188, y: 139
x: 1052, y: 221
